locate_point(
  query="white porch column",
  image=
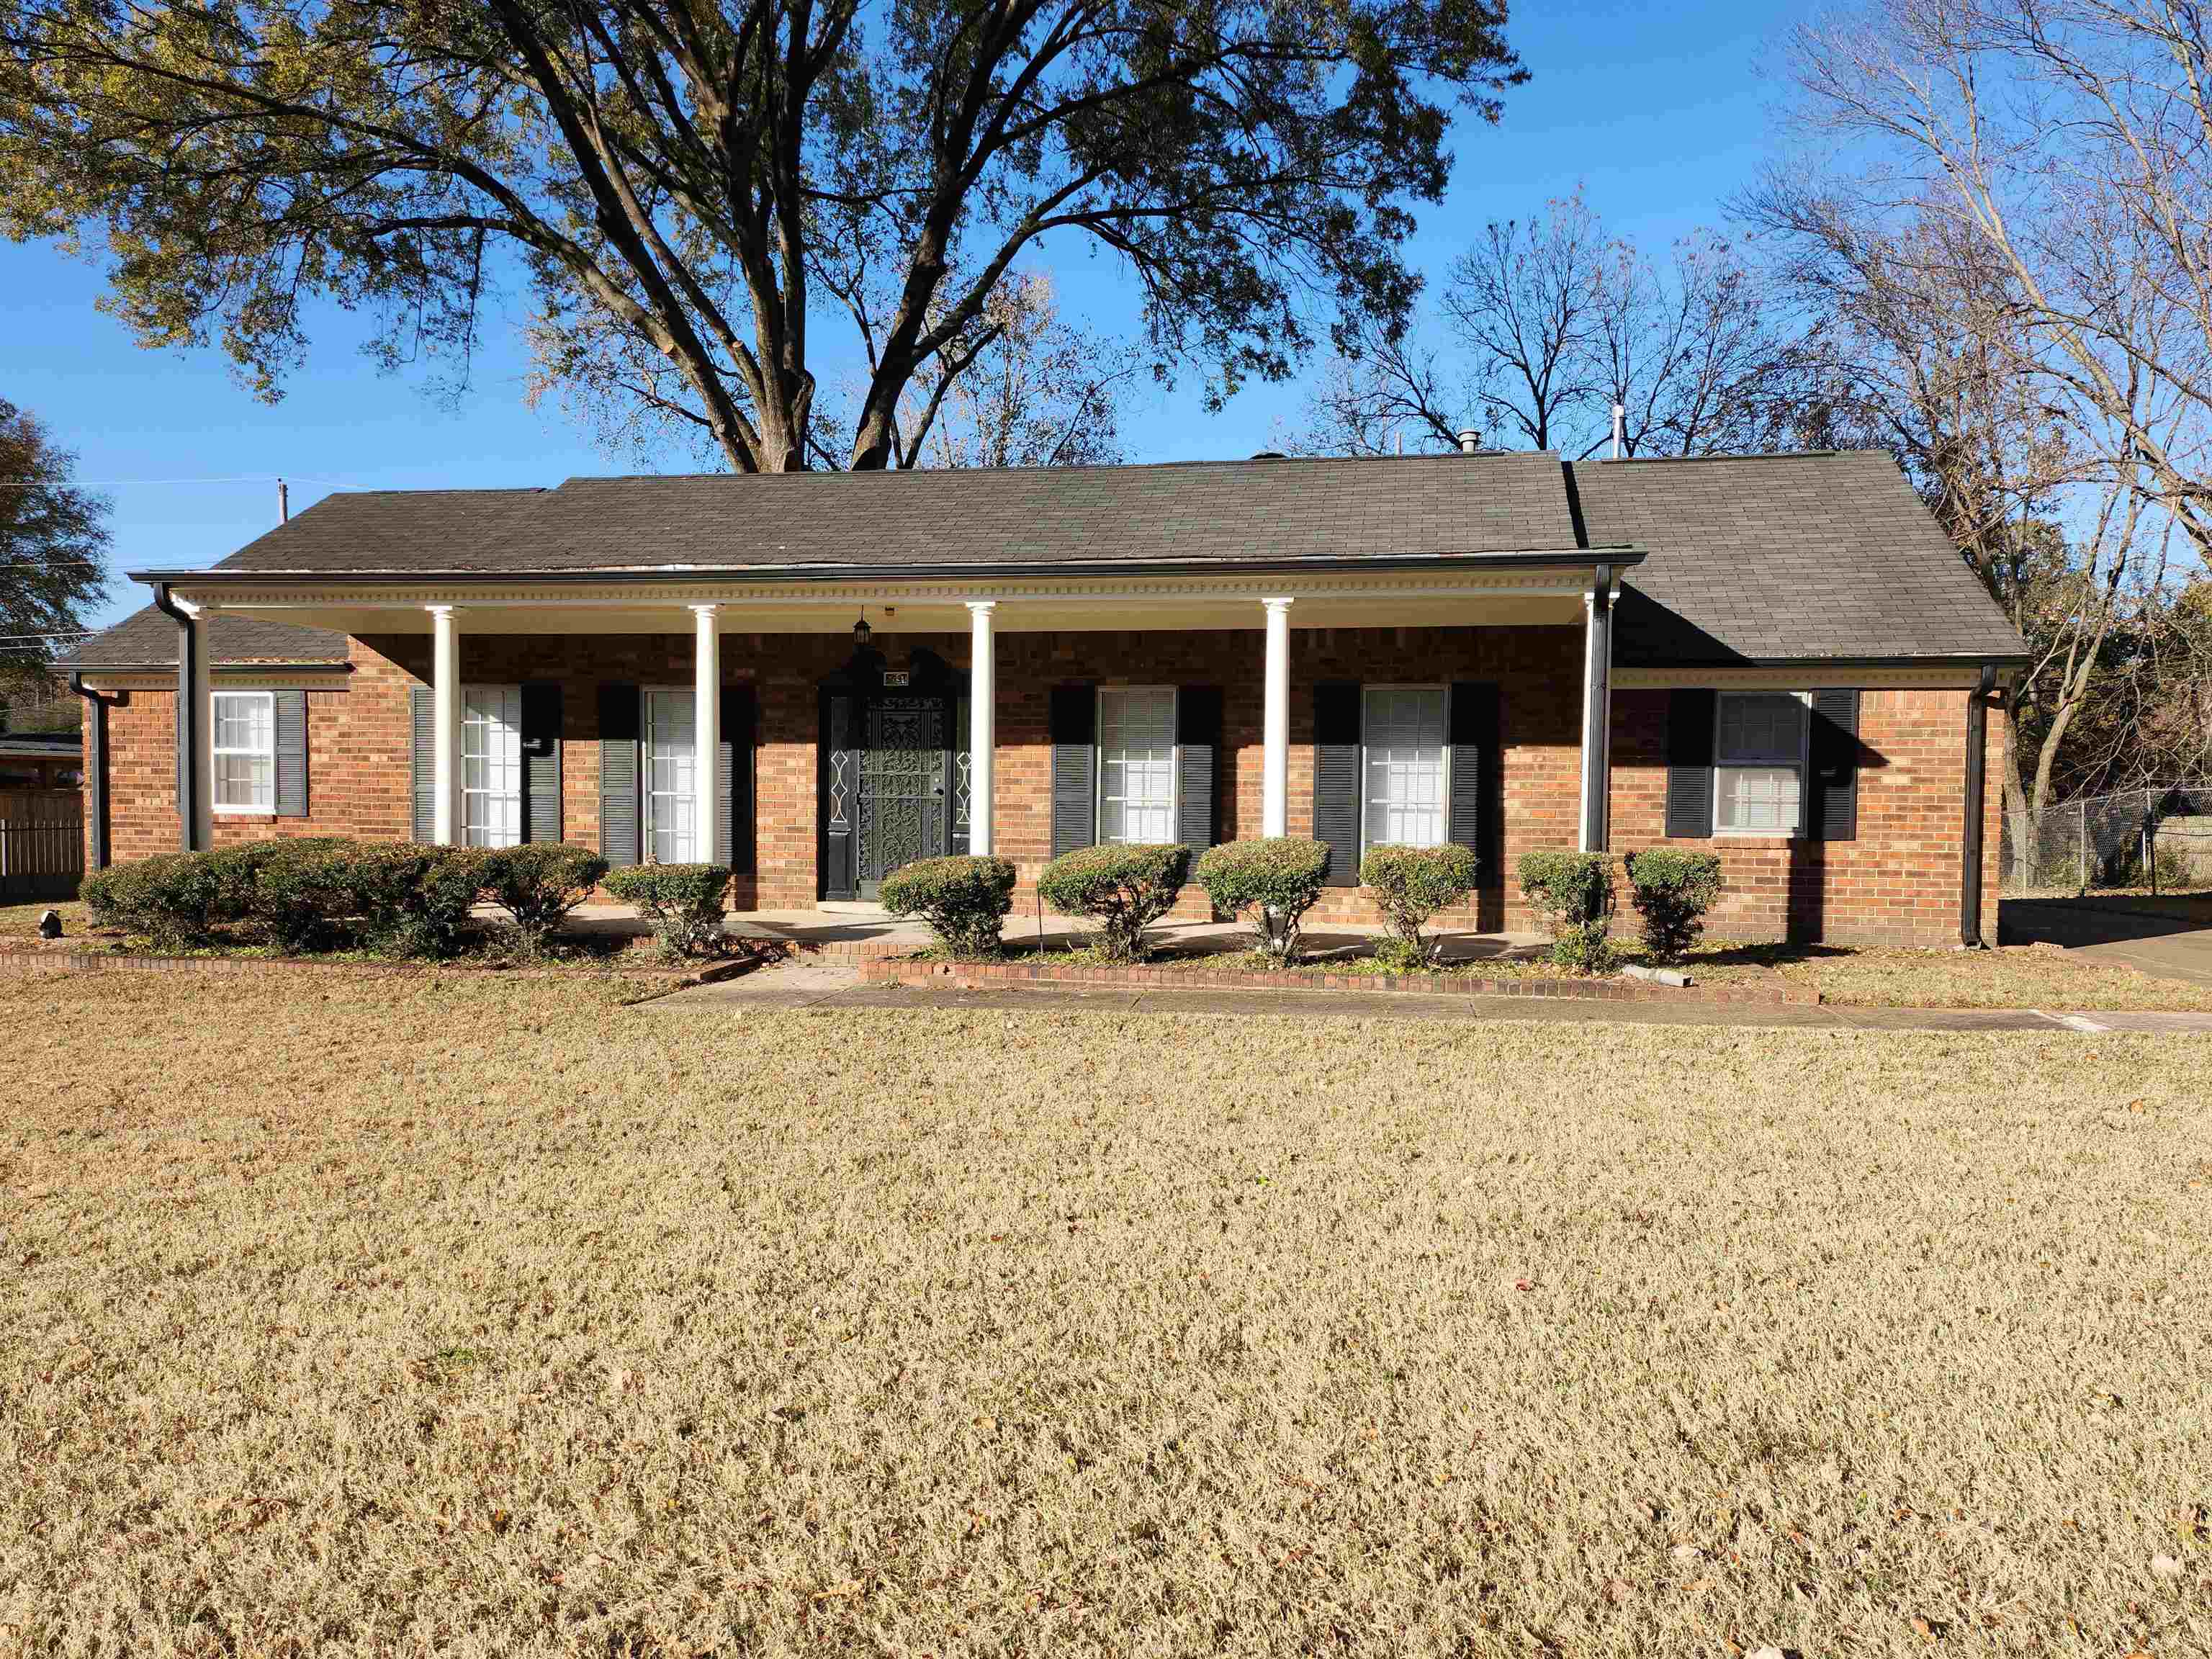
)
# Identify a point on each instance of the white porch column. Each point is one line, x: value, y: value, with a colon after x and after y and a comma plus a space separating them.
x: 1597, y: 712
x: 201, y: 833
x: 707, y: 731
x: 447, y: 824
x: 982, y: 724
x: 1275, y: 726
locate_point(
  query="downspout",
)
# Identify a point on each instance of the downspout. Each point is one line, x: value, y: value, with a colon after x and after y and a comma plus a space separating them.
x: 95, y: 772
x: 1597, y: 712
x: 1969, y: 842
x: 188, y: 747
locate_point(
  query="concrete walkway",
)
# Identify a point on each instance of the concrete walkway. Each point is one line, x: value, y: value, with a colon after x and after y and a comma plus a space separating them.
x: 801, y: 985
x: 2171, y: 937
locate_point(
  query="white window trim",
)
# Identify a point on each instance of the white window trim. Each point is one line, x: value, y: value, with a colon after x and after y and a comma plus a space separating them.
x: 1804, y: 763
x: 645, y: 695
x: 1445, y: 781
x: 232, y: 808
x: 521, y: 763
x: 1099, y: 758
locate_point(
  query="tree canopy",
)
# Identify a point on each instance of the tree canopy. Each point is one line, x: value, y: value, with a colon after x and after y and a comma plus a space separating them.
x: 52, y: 539
x: 687, y: 187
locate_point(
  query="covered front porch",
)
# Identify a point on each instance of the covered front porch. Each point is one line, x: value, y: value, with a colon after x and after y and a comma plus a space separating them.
x: 859, y: 726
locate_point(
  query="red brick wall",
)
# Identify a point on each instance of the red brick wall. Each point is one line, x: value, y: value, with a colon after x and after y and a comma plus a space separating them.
x: 1897, y: 884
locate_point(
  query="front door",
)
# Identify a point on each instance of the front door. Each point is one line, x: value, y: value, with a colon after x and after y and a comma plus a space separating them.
x: 905, y: 793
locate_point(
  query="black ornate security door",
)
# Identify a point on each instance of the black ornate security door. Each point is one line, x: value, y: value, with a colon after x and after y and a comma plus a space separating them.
x: 905, y: 795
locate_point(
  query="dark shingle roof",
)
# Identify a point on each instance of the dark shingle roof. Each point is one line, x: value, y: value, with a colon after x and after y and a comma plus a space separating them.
x: 390, y: 529
x: 1758, y: 558
x: 1779, y: 557
x: 147, y: 639
x: 1213, y: 510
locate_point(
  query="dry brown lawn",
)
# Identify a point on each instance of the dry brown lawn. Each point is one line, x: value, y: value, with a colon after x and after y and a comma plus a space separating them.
x: 446, y: 1315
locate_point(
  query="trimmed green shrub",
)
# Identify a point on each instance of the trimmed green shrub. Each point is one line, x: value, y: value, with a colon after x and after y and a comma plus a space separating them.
x: 1124, y: 889
x: 1412, y: 883
x: 965, y: 900
x: 173, y: 898
x: 1573, y: 892
x: 684, y: 903
x: 1672, y: 888
x: 537, y: 883
x: 1270, y: 883
x: 414, y: 900
x: 294, y: 892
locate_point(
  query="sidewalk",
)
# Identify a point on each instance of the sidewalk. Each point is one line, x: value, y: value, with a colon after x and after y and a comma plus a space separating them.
x: 833, y: 988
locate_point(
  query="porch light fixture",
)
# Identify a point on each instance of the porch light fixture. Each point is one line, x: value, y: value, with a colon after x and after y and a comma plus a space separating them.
x: 861, y: 631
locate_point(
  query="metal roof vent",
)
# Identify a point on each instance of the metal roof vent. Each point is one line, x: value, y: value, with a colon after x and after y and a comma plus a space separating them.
x: 1269, y: 455
x: 1470, y: 441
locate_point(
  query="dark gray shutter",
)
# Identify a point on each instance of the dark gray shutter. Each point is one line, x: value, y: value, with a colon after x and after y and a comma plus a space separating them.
x: 1074, y: 733
x: 423, y: 763
x: 1472, y: 732
x: 1832, y: 814
x: 733, y: 781
x: 541, y: 761
x: 1198, y: 747
x: 620, y: 840
x: 1690, y: 763
x: 1336, y: 780
x: 291, y: 754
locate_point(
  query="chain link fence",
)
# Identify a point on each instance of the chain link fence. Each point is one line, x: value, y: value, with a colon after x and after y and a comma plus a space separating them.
x: 2153, y: 840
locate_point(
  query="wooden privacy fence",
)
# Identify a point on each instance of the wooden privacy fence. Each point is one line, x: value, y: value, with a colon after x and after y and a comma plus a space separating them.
x: 41, y: 843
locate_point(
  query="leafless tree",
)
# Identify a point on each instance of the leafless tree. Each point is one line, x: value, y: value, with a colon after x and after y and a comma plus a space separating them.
x: 1550, y: 323
x: 1027, y: 390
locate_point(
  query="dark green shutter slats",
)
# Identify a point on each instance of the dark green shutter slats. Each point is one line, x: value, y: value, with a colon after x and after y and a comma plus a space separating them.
x: 291, y: 707
x: 1690, y: 763
x: 1198, y: 749
x: 1832, y: 814
x: 422, y: 763
x: 1472, y: 732
x: 733, y: 781
x: 1336, y: 780
x: 1074, y: 735
x: 619, y: 835
x: 541, y: 761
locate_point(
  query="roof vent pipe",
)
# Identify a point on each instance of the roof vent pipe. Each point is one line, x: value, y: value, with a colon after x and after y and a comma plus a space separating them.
x: 1619, y: 430
x: 1470, y: 441
x: 283, y: 503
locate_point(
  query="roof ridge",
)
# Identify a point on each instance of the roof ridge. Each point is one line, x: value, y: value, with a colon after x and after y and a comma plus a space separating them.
x: 1751, y: 455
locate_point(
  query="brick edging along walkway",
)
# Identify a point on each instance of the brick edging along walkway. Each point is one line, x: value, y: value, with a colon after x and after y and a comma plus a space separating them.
x: 893, y: 970
x: 21, y: 958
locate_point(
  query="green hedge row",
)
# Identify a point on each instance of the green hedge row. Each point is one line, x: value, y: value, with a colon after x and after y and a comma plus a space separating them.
x: 315, y: 892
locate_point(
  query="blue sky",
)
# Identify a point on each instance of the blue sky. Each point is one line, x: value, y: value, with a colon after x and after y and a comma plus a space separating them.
x: 1661, y: 112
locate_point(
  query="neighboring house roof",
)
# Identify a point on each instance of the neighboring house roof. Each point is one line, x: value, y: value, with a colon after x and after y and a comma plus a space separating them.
x: 147, y: 639
x: 1745, y: 559
x: 24, y: 745
x: 1229, y: 512
x: 1782, y: 558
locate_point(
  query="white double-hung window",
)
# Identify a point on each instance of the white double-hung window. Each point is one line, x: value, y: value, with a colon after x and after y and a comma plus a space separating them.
x: 1758, y: 763
x: 244, y: 751
x: 671, y: 777
x: 1406, y: 769
x: 491, y: 765
x: 1136, y: 764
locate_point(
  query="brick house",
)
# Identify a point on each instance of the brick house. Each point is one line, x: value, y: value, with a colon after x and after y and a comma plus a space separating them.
x: 1780, y: 658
